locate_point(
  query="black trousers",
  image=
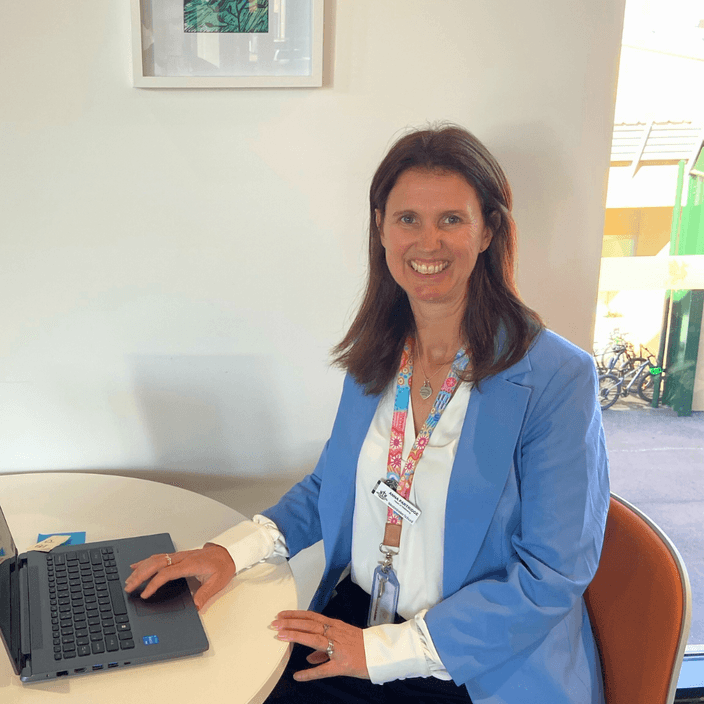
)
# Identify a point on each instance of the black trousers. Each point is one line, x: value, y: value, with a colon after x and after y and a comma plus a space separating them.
x: 351, y: 604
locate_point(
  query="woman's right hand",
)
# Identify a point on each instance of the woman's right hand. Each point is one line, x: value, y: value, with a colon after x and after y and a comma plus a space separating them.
x: 211, y: 565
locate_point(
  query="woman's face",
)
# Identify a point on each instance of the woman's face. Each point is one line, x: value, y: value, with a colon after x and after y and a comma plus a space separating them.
x: 433, y: 232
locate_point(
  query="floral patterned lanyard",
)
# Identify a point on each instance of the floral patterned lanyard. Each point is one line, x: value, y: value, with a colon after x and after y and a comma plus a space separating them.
x: 402, y: 480
x: 384, y: 596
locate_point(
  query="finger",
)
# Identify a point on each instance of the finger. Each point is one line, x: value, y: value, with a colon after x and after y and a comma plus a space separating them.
x: 299, y: 624
x: 311, y: 640
x: 308, y: 615
x: 317, y: 657
x: 163, y: 576
x: 208, y: 589
x: 327, y: 669
x: 143, y: 570
x: 158, y: 580
x: 149, y: 563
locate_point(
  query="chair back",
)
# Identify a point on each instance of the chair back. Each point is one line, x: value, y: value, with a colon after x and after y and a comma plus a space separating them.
x: 639, y: 604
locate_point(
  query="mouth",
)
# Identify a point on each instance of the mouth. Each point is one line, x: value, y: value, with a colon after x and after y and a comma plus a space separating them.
x: 428, y: 268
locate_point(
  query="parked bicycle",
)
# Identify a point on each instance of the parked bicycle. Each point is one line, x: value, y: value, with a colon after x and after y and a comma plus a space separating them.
x: 615, y: 355
x: 634, y: 375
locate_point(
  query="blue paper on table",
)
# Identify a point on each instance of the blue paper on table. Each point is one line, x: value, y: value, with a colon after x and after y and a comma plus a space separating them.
x: 77, y: 537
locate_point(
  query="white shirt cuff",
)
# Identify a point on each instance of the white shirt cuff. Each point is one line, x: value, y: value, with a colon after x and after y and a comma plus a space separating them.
x: 399, y: 651
x: 252, y: 541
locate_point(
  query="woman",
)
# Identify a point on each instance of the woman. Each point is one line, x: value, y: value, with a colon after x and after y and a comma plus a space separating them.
x: 476, y: 589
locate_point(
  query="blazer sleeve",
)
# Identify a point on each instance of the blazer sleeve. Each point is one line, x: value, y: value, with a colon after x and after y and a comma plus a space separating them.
x: 554, y: 548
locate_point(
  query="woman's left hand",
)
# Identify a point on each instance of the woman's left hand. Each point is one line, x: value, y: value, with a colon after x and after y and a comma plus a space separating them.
x: 317, y: 631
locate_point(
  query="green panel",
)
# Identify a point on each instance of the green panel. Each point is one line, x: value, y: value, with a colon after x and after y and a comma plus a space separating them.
x: 683, y: 347
x: 697, y: 217
x: 682, y: 327
x: 664, y: 354
x: 697, y: 229
x: 677, y: 209
x: 685, y: 244
x: 692, y: 225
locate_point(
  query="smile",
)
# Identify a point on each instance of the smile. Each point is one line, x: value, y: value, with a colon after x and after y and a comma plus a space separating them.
x: 422, y: 268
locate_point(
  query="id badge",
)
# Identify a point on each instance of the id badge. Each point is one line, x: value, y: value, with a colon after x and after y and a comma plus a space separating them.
x: 387, y: 493
x: 384, y: 599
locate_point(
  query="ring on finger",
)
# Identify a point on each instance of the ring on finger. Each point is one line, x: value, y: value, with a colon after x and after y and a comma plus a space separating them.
x: 169, y: 561
x: 330, y: 650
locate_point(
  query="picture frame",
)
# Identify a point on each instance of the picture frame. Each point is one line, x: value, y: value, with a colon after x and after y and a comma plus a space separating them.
x: 227, y: 43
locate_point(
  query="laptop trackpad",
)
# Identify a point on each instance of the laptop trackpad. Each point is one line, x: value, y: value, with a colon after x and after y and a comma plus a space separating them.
x: 166, y: 599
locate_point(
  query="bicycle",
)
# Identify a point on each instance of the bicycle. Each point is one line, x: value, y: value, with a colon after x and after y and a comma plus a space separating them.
x: 638, y: 372
x: 615, y: 357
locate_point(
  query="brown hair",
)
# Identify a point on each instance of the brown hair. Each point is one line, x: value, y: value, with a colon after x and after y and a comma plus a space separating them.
x: 498, y: 327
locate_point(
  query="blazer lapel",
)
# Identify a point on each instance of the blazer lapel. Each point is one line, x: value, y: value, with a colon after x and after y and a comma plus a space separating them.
x: 482, y: 463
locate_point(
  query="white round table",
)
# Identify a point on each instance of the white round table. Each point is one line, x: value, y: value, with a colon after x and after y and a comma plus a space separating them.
x: 244, y: 660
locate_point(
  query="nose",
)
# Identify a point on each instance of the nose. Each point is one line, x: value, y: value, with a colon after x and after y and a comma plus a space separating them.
x: 429, y: 239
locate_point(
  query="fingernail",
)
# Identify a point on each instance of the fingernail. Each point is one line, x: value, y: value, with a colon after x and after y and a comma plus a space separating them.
x: 275, y: 625
x: 280, y: 636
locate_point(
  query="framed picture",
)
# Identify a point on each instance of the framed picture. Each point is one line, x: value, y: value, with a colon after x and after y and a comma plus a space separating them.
x: 227, y: 43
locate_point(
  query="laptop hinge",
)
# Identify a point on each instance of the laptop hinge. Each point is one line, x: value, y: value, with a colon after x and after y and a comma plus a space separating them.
x: 25, y: 642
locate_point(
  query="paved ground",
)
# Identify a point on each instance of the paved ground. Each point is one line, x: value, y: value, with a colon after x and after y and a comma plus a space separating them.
x: 657, y: 463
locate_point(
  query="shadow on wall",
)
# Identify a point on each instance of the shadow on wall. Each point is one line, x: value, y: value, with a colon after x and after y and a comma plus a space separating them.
x: 215, y: 429
x: 213, y: 416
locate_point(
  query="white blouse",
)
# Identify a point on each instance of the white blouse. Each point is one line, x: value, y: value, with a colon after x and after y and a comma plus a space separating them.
x: 393, y: 651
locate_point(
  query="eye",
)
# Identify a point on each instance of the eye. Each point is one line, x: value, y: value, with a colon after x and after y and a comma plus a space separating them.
x: 453, y: 219
x: 407, y: 219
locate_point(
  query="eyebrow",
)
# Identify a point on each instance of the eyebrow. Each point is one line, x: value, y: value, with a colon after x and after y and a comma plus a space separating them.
x: 463, y: 211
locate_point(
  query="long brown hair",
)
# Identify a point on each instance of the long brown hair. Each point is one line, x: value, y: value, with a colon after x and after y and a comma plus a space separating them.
x: 498, y: 327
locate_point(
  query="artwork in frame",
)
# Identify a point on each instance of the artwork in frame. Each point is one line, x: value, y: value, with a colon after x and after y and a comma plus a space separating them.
x: 227, y: 43
x: 236, y: 16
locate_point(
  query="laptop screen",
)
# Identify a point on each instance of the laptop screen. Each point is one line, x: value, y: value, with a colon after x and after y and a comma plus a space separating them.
x: 9, y: 594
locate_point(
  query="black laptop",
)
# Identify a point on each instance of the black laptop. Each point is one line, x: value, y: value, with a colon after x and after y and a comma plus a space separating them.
x: 65, y: 612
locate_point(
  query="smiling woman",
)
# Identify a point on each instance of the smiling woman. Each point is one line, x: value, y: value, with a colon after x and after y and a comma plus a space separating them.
x: 456, y: 188
x: 432, y: 232
x: 457, y: 546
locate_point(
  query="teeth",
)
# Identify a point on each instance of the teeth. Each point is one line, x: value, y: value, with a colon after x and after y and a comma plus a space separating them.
x: 428, y: 268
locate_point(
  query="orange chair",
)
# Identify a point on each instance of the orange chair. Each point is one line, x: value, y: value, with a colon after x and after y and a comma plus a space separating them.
x: 640, y: 608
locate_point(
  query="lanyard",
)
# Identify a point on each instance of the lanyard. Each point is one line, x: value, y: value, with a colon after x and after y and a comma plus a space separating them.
x: 398, y: 478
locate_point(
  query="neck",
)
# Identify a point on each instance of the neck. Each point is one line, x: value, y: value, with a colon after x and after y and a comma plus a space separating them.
x: 439, y: 334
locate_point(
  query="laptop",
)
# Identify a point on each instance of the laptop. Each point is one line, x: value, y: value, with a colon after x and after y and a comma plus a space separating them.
x: 65, y: 612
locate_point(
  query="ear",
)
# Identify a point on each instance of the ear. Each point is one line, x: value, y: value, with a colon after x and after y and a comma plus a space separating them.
x: 487, y: 236
x: 380, y: 226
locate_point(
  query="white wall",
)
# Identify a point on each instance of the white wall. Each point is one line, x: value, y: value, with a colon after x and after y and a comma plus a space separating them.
x: 176, y: 264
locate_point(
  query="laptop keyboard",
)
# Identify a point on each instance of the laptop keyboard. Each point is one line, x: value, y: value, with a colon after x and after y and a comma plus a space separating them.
x: 88, y: 613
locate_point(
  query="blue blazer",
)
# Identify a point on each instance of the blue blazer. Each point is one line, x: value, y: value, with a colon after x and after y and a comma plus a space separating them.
x: 524, y: 524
